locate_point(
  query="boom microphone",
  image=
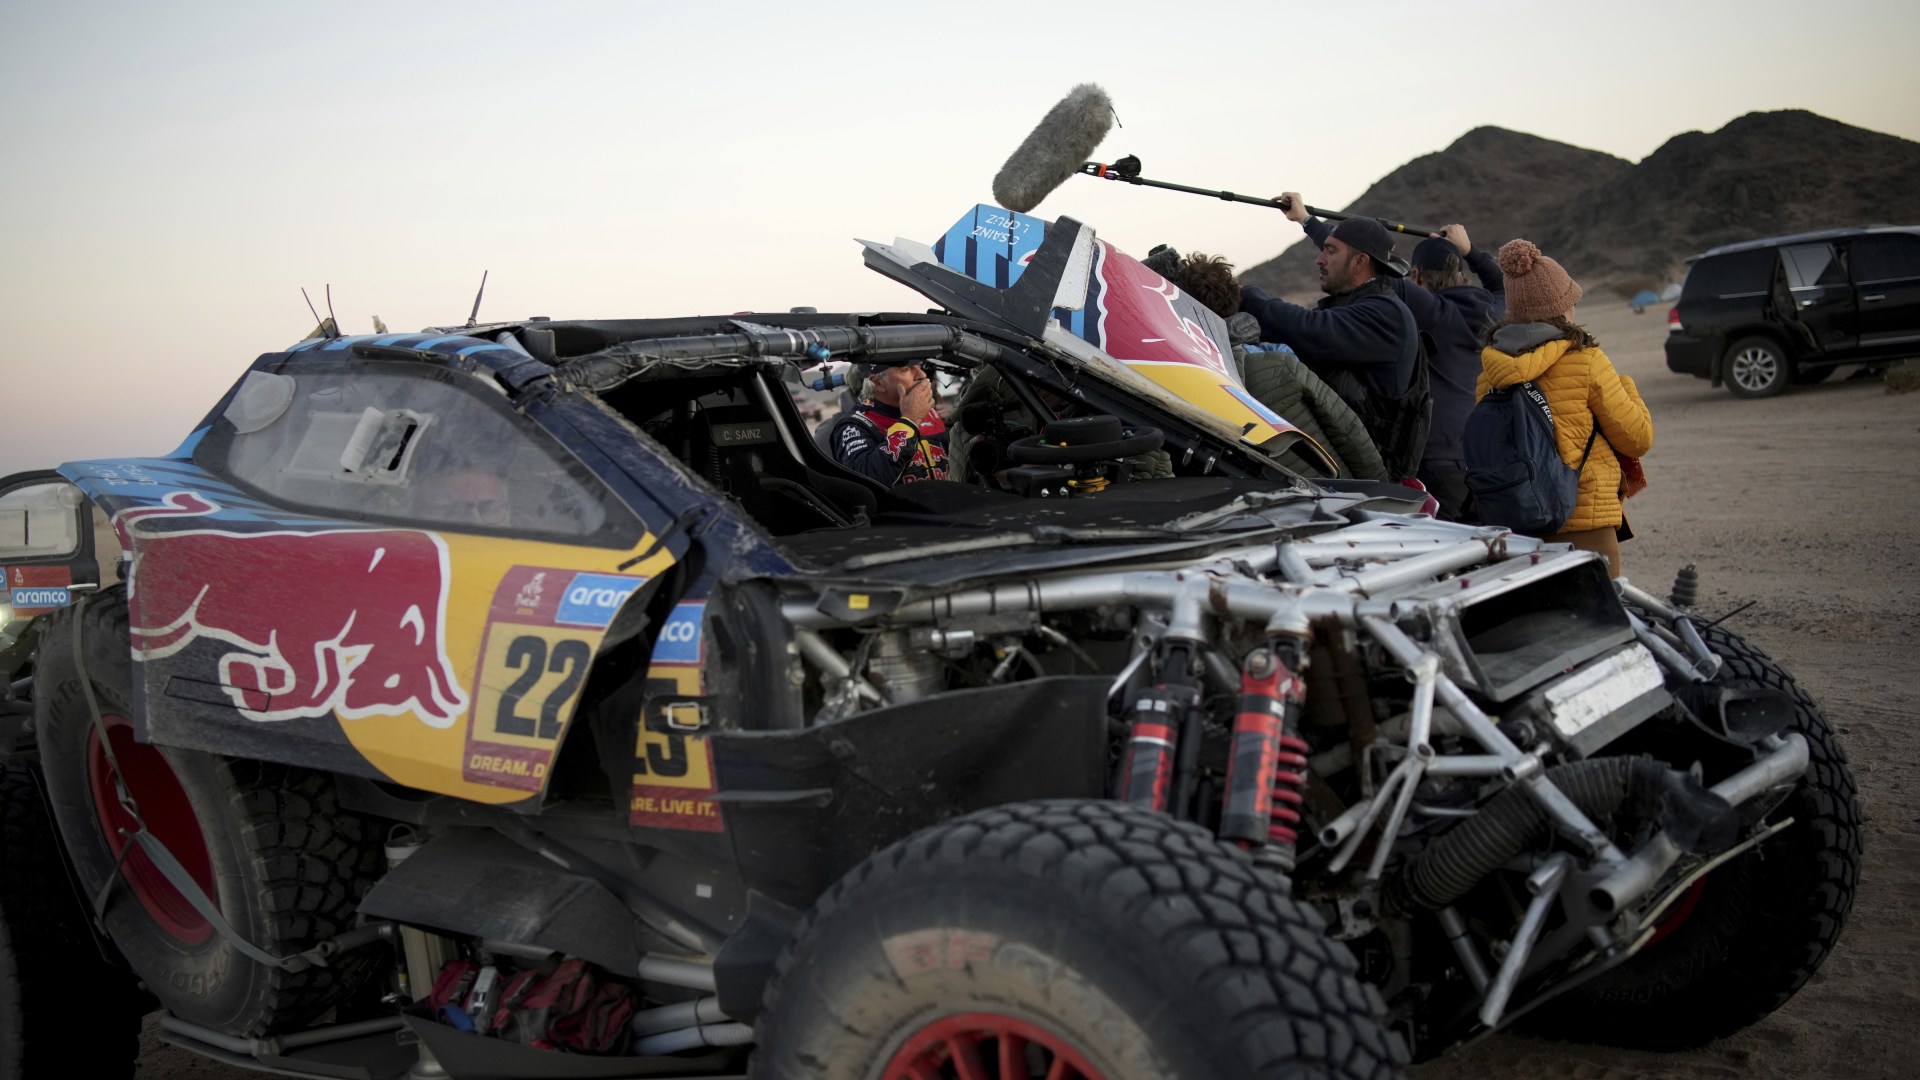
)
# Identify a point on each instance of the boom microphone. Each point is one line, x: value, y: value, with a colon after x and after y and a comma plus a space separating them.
x: 1127, y: 171
x: 1056, y: 150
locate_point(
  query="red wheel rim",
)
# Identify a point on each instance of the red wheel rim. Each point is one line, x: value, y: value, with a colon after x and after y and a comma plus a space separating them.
x: 987, y: 1046
x: 149, y: 778
x: 1677, y: 914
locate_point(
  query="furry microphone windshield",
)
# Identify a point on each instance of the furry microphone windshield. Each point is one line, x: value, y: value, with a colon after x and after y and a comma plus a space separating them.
x: 1062, y: 143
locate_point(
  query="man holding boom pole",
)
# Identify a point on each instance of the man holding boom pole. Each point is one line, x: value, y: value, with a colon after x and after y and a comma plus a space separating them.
x: 1454, y: 315
x: 1361, y: 340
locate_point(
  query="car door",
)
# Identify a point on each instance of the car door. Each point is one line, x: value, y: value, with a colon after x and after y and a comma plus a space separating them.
x: 1886, y: 282
x: 380, y: 568
x: 47, y: 546
x: 1822, y: 295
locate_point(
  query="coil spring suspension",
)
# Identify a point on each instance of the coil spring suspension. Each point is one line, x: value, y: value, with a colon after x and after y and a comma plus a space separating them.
x: 1289, y: 790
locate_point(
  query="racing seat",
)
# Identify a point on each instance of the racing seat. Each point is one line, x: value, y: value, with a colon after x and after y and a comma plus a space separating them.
x: 744, y: 452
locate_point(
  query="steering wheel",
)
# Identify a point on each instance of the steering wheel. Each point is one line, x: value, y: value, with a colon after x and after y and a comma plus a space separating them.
x: 1083, y: 440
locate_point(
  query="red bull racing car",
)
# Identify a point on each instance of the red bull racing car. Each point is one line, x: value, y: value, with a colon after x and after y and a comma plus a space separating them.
x: 539, y: 700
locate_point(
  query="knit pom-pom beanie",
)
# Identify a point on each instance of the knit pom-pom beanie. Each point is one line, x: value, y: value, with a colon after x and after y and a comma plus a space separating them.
x: 1537, y: 288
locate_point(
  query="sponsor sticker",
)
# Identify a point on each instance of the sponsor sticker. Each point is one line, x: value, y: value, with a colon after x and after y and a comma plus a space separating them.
x: 533, y: 667
x: 594, y: 599
x: 673, y: 783
x: 673, y: 778
x: 36, y: 590
x: 42, y: 597
x: 680, y: 638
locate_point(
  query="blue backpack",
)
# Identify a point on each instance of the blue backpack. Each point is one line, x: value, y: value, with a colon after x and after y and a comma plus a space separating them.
x: 1513, y: 462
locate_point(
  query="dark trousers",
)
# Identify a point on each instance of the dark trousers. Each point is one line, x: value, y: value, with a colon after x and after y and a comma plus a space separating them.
x: 1447, y: 482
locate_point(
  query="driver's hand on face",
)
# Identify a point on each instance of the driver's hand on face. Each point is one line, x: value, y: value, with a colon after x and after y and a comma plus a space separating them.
x: 917, y: 402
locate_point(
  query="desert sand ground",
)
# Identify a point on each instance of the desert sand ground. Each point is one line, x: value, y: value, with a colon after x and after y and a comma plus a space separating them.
x: 1806, y: 504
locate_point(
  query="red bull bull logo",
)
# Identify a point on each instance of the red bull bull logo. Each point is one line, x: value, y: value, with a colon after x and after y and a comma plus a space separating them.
x: 1144, y: 319
x: 348, y: 622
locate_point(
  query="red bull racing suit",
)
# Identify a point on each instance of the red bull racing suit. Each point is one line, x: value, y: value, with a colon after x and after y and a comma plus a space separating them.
x: 875, y: 440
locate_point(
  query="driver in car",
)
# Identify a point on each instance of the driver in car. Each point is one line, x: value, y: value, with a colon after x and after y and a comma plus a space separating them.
x: 893, y: 433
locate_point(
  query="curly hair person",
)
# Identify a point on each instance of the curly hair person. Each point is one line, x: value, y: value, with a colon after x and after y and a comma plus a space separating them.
x: 1208, y: 279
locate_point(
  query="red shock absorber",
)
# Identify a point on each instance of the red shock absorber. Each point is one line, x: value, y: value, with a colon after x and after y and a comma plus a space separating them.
x: 1267, y: 771
x: 1147, y: 774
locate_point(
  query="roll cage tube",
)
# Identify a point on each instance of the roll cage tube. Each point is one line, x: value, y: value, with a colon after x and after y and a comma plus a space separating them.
x: 616, y: 364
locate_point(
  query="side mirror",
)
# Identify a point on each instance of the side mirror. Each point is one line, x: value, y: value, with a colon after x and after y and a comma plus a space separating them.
x: 47, y: 544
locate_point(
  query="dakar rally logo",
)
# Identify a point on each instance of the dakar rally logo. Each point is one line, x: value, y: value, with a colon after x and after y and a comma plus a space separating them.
x: 344, y: 622
x: 530, y: 593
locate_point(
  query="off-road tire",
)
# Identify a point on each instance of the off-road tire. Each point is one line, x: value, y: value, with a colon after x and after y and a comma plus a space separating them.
x: 1757, y: 367
x: 51, y: 970
x: 289, y: 865
x: 1139, y: 942
x: 1763, y: 922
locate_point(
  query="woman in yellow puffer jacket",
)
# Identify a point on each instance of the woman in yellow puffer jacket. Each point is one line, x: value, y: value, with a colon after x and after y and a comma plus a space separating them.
x: 1539, y: 340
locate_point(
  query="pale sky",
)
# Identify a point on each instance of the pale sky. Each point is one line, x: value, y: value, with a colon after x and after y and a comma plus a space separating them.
x: 173, y: 173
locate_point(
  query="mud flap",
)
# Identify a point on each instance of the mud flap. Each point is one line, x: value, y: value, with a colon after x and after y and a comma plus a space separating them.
x: 804, y: 807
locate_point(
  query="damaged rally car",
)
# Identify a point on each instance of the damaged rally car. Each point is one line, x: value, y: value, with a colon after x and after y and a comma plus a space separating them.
x: 538, y: 699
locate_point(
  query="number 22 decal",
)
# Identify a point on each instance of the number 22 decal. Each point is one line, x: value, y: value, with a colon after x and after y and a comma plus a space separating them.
x: 531, y: 656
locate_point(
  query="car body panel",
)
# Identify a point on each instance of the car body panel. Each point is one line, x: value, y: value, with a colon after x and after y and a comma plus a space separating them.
x: 446, y: 660
x: 1118, y: 316
x: 47, y: 545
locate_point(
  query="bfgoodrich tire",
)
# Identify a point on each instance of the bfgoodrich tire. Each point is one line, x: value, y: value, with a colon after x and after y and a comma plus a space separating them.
x: 267, y: 843
x: 52, y: 975
x: 1067, y: 939
x: 1757, y: 367
x: 1759, y: 926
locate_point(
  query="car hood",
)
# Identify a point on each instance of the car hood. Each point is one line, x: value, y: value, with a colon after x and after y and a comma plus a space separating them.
x: 1152, y: 522
x: 1097, y: 307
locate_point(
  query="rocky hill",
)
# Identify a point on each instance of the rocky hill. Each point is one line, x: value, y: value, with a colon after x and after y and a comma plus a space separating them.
x: 1621, y: 227
x: 1494, y: 181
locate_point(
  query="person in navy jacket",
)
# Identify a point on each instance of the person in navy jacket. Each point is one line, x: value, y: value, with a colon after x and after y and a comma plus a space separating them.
x: 1361, y: 339
x: 1455, y: 313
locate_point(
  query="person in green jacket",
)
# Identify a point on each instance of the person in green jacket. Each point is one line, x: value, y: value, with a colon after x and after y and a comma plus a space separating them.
x: 1273, y: 373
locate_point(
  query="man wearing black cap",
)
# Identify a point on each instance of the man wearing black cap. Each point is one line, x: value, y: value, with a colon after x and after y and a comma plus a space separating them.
x: 1454, y: 315
x: 893, y: 433
x: 1361, y: 340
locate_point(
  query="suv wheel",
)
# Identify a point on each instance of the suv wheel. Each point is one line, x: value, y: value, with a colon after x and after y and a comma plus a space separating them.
x: 1757, y: 367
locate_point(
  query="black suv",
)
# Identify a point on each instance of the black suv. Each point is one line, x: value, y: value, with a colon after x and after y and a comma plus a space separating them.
x: 1763, y: 313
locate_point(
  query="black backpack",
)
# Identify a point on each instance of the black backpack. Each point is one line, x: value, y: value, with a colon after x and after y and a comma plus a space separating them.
x: 1513, y: 462
x: 1409, y: 417
x: 1397, y: 424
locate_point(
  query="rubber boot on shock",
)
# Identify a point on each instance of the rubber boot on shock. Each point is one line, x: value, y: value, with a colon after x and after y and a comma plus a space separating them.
x: 1267, y: 771
x: 1155, y: 723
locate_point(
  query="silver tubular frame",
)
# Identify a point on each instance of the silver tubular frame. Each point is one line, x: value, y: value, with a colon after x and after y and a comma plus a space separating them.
x: 1351, y: 577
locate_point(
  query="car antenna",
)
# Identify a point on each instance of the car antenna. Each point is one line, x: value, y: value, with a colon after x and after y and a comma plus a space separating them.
x: 322, y: 328
x: 335, y: 323
x: 474, y: 318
